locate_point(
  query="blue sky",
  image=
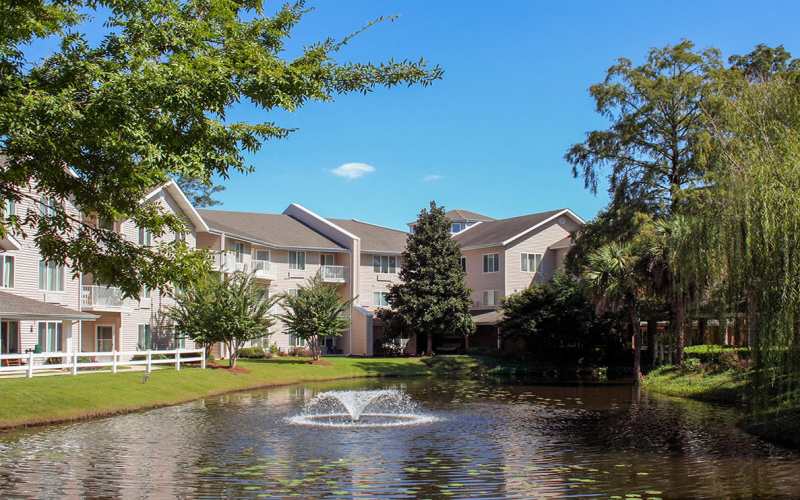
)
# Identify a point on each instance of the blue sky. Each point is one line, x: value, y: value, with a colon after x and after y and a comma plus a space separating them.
x: 491, y: 135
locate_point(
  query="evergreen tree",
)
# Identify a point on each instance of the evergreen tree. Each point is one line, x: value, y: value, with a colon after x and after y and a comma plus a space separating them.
x: 432, y: 297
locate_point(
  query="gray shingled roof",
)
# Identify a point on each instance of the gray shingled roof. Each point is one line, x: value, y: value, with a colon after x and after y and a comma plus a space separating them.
x: 497, y: 231
x: 278, y: 230
x: 17, y: 307
x: 461, y: 214
x: 374, y: 238
x: 565, y: 242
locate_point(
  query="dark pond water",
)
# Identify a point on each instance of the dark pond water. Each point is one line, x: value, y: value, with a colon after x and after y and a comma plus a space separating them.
x: 490, y: 442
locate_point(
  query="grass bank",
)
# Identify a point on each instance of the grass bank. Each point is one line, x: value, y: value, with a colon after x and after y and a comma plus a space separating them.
x: 44, y: 400
x: 727, y: 387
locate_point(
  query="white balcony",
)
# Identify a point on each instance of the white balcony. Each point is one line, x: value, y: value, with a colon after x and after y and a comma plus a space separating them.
x: 332, y: 274
x: 99, y: 297
x: 263, y: 269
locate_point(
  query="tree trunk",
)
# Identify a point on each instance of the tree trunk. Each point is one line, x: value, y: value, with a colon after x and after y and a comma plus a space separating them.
x: 652, y: 329
x: 636, y: 341
x: 466, y: 343
x: 679, y: 320
x: 430, y: 345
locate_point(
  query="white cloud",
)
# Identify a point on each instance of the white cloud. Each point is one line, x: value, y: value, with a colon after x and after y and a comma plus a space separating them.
x: 352, y: 171
x: 432, y: 178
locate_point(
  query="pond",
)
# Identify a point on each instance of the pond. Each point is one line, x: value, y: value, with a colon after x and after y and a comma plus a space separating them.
x: 482, y: 441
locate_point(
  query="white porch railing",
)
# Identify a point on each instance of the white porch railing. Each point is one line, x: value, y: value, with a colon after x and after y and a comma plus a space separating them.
x: 103, y: 296
x: 75, y: 361
x: 262, y: 268
x: 333, y: 274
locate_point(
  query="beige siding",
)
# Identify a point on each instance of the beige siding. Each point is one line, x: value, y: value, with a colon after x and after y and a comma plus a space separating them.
x: 515, y: 278
x: 477, y: 280
x: 370, y: 281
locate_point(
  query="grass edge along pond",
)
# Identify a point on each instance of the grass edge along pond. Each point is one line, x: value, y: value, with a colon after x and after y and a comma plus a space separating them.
x: 63, y: 398
x: 726, y: 387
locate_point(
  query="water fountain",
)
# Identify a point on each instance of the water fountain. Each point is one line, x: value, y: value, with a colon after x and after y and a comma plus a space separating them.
x: 378, y: 408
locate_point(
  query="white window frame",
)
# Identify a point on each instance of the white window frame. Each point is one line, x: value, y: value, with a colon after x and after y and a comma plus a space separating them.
x: 264, y: 250
x: 384, y: 296
x: 385, y: 264
x: 145, y: 237
x: 485, y: 297
x: 148, y: 331
x: 47, y: 206
x: 97, y: 337
x: 323, y: 256
x: 60, y: 275
x: 9, y: 207
x: 238, y: 249
x: 59, y: 334
x: 296, y: 264
x: 525, y: 262
x: 495, y: 259
x: 6, y: 276
x: 457, y: 227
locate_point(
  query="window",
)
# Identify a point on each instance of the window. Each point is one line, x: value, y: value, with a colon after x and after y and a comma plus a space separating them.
x: 51, y: 276
x: 238, y: 251
x: 145, y: 237
x: 105, y: 338
x: 490, y: 297
x: 380, y: 299
x: 145, y: 293
x: 262, y: 255
x: 7, y: 271
x: 47, y: 206
x: 463, y: 263
x: 9, y: 207
x: 51, y: 335
x: 326, y: 259
x: 292, y: 292
x: 457, y: 227
x: 297, y: 260
x: 386, y: 264
x: 9, y: 337
x: 145, y: 341
x: 530, y: 262
x: 296, y: 342
x: 491, y: 263
x: 180, y: 236
x: 180, y: 341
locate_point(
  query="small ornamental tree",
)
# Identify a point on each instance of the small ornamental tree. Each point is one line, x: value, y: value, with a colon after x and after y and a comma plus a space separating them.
x: 432, y: 297
x: 315, y: 312
x: 232, y: 309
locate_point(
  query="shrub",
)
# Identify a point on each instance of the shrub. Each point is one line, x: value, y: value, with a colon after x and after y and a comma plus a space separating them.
x: 300, y: 351
x: 252, y: 352
x: 274, y: 349
x: 692, y: 365
x: 712, y: 353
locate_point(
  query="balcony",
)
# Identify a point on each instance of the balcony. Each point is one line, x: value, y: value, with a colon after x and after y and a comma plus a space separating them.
x: 263, y: 269
x: 226, y: 262
x: 332, y: 274
x: 98, y: 297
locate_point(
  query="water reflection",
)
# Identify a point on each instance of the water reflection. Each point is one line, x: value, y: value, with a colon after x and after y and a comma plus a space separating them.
x: 492, y: 441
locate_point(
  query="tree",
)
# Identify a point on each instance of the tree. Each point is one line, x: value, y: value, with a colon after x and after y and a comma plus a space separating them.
x: 316, y: 311
x: 658, y: 114
x: 557, y: 321
x: 102, y: 123
x: 614, y: 278
x: 200, y: 193
x: 232, y: 309
x: 432, y: 297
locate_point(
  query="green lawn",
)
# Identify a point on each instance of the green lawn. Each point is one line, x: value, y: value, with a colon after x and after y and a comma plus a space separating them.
x: 722, y: 387
x: 60, y: 398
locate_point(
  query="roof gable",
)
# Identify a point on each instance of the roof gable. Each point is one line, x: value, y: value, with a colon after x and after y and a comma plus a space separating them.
x: 504, y: 231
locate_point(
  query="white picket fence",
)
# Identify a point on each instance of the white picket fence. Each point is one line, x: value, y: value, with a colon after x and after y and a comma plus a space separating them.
x: 75, y: 361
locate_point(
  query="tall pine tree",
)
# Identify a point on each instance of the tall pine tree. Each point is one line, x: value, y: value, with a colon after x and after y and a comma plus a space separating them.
x: 432, y: 298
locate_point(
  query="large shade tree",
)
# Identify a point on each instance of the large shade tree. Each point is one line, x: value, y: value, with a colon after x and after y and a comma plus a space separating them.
x: 100, y: 123
x: 652, y: 147
x: 432, y: 297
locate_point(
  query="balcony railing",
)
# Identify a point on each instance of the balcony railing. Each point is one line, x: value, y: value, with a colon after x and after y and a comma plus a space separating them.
x: 101, y: 296
x: 332, y: 274
x: 262, y: 268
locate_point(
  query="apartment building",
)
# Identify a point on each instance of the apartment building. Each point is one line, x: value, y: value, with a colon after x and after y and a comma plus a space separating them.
x: 43, y: 306
x: 504, y: 256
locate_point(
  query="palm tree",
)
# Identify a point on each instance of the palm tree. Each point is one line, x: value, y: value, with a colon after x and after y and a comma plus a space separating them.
x: 614, y: 277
